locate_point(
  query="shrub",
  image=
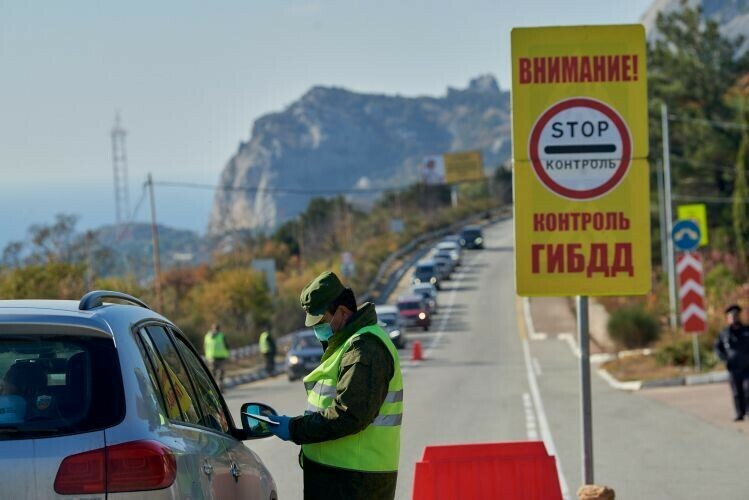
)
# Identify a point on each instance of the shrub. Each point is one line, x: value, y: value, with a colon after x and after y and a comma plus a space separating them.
x: 680, y: 353
x: 633, y: 327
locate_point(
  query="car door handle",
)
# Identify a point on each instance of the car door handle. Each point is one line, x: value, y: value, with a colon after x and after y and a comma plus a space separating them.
x: 207, y: 468
x: 235, y: 470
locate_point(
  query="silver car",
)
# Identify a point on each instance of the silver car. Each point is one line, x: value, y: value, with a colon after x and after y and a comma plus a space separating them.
x: 110, y: 400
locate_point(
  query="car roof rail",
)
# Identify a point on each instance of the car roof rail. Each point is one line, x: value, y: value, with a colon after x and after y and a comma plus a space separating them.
x: 94, y: 299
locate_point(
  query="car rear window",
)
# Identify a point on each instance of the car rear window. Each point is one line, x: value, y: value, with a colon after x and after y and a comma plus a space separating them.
x: 306, y: 342
x: 388, y: 319
x: 471, y: 233
x: 55, y: 385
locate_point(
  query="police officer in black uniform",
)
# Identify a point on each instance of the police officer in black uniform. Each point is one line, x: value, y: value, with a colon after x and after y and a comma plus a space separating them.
x: 732, y: 347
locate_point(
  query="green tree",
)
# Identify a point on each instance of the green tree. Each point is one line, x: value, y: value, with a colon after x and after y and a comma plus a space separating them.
x: 691, y: 67
x: 235, y: 298
x: 53, y: 280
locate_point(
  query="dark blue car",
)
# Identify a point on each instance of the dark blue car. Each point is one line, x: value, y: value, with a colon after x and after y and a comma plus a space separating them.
x: 304, y: 355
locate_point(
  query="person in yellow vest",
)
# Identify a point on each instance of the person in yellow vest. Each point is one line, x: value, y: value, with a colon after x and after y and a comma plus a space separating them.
x: 350, y: 431
x: 268, y: 350
x: 216, y: 350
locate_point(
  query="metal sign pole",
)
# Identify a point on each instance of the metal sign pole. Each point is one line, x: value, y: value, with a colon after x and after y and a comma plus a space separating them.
x: 696, y: 352
x: 585, y: 397
x: 669, y: 217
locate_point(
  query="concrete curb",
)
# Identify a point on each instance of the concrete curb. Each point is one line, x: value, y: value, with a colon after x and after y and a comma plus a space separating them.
x: 630, y: 385
x: 635, y: 385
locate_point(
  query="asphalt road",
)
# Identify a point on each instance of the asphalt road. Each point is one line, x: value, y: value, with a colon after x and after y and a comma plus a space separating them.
x: 484, y: 381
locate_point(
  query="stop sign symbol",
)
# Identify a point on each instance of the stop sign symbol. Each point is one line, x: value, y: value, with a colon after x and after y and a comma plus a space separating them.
x: 580, y: 148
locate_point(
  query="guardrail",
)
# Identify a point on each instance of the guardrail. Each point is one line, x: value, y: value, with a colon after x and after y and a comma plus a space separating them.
x: 380, y: 289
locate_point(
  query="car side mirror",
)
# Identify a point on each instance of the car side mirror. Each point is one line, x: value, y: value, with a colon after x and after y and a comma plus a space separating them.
x: 255, y: 428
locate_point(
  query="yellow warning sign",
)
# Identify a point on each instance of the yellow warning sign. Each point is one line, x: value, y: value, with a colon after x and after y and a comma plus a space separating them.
x: 580, y: 146
x: 464, y: 166
x: 698, y: 213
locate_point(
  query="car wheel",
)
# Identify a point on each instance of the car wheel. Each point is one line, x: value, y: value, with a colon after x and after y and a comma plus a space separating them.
x: 425, y: 328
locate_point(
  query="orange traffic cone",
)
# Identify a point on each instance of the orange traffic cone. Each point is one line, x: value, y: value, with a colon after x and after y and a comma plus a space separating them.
x: 416, y: 354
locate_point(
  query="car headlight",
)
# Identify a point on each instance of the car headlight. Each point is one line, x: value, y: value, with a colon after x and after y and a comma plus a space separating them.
x: 479, y: 240
x: 433, y: 280
x: 462, y: 241
x: 294, y: 360
x: 395, y: 334
x: 417, y: 280
x: 422, y: 315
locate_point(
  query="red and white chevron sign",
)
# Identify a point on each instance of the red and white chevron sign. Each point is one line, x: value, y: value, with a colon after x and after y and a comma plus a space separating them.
x: 691, y: 293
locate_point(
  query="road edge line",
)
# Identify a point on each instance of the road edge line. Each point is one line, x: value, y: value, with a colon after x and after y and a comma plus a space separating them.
x: 532, y: 333
x: 543, y: 422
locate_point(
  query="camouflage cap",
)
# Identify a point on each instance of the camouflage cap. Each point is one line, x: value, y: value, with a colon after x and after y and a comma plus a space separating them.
x: 318, y: 295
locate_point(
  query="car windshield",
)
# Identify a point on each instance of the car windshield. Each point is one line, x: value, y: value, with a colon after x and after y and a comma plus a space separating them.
x: 403, y: 306
x: 471, y: 233
x: 55, y: 385
x: 387, y: 319
x: 305, y: 342
x: 425, y: 270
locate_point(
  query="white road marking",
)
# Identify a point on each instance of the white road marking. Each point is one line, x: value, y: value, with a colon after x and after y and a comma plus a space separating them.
x: 531, y: 429
x: 543, y: 422
x: 537, y: 367
x: 530, y: 327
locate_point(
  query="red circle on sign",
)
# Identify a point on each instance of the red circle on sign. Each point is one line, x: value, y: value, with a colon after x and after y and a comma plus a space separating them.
x: 612, y: 115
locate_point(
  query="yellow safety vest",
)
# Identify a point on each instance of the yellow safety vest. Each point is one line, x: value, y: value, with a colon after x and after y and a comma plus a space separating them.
x: 377, y: 447
x: 215, y: 347
x: 264, y: 343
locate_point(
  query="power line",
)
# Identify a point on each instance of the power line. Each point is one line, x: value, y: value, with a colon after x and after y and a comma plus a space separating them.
x: 255, y: 189
x: 299, y: 191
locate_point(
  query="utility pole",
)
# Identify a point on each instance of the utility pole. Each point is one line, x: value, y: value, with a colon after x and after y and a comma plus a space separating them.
x: 88, y: 238
x: 300, y: 238
x: 662, y: 215
x: 155, y: 244
x: 669, y: 217
x: 586, y: 405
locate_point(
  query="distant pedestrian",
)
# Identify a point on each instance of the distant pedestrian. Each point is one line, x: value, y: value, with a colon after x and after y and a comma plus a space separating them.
x: 268, y: 350
x: 732, y: 347
x: 216, y: 350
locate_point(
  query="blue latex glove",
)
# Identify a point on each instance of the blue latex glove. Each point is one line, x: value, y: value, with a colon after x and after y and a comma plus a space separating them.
x: 281, y: 430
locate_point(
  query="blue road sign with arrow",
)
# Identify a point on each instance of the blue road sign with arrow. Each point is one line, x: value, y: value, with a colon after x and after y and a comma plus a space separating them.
x: 686, y: 234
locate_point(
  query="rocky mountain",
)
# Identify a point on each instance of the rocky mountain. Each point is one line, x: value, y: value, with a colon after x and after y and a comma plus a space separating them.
x: 731, y: 15
x: 333, y: 139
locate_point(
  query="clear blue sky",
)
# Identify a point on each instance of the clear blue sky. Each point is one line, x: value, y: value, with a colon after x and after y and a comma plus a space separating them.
x: 190, y: 77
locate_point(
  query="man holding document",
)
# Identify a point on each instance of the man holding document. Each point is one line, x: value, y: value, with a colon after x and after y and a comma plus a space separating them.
x: 350, y: 431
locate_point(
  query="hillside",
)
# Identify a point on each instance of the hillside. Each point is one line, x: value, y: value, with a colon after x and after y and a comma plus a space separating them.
x: 335, y: 139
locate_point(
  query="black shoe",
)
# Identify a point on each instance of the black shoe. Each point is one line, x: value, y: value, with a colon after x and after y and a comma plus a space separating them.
x: 737, y: 419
